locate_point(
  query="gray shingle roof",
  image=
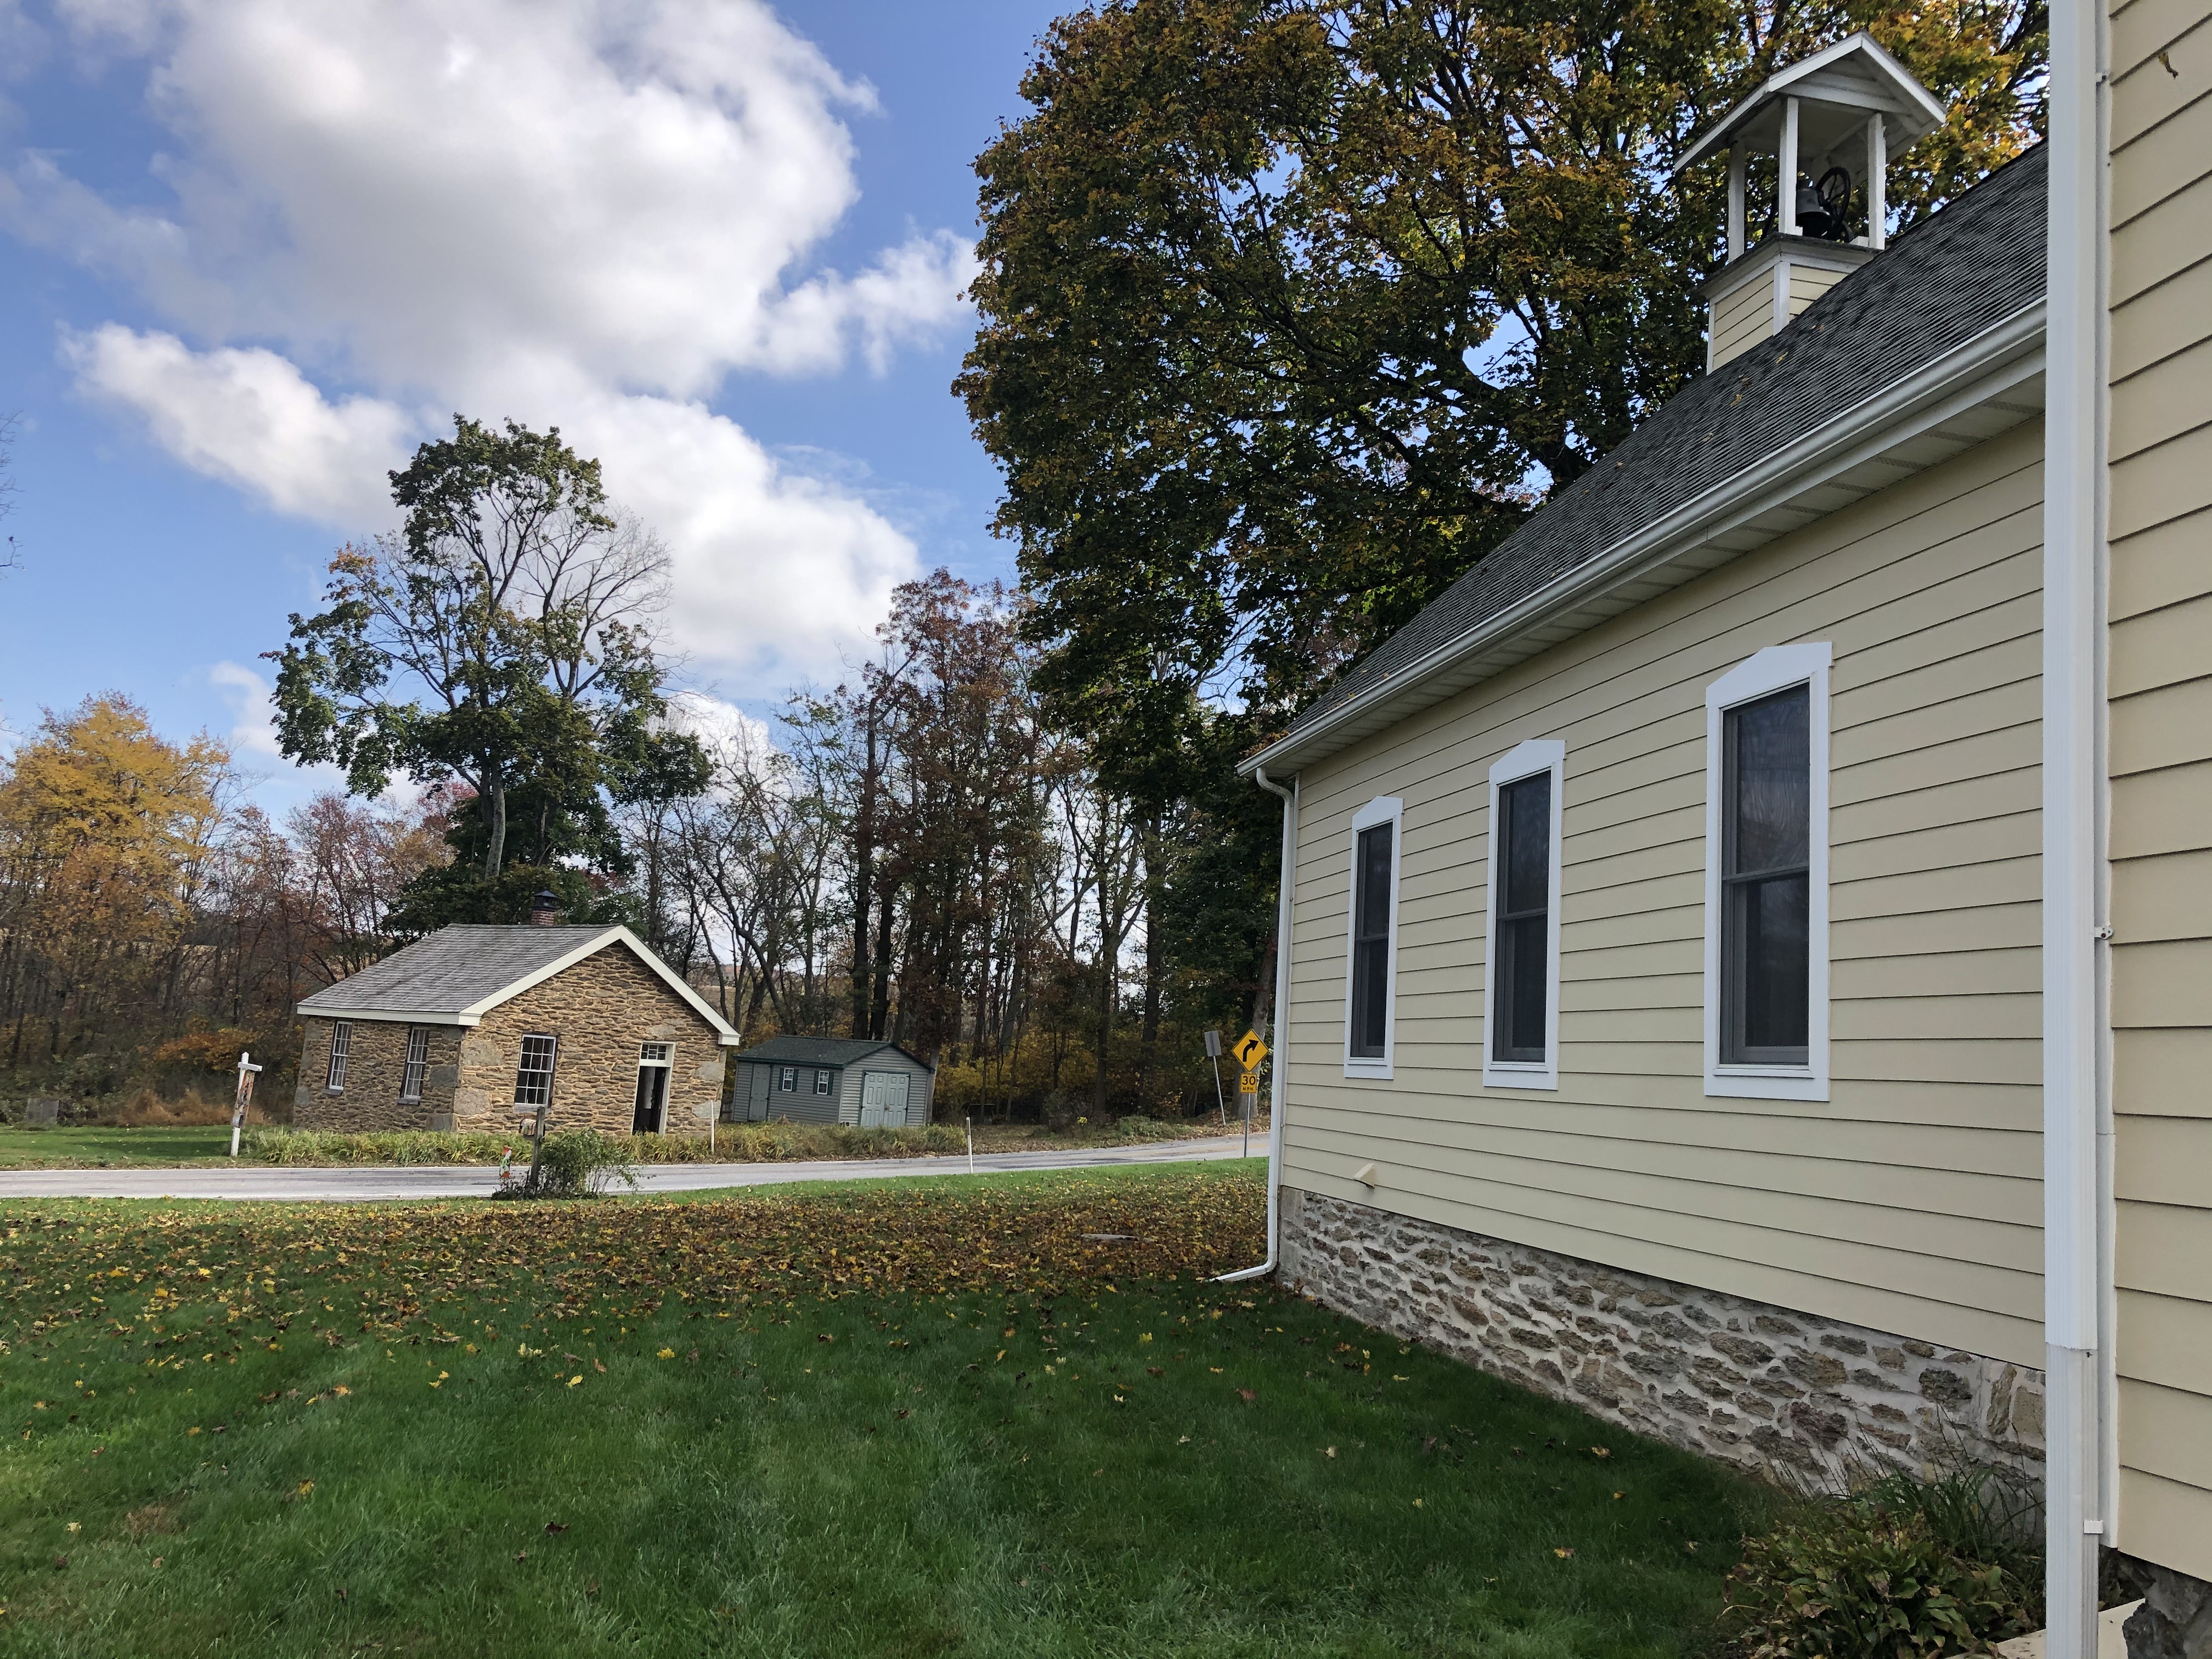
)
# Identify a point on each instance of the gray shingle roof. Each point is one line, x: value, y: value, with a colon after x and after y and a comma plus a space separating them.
x: 818, y: 1051
x: 1962, y: 271
x: 452, y: 970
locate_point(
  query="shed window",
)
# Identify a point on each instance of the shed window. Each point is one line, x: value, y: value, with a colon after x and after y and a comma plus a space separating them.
x: 1374, y: 933
x: 417, y: 1062
x: 786, y: 1080
x: 341, y: 1047
x: 534, y: 1077
x: 822, y: 1083
x: 1766, y: 880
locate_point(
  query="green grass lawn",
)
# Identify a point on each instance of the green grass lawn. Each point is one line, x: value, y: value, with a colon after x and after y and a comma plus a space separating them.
x: 939, y: 1418
x: 101, y: 1147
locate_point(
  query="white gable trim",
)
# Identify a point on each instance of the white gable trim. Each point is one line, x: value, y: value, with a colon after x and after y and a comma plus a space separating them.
x: 725, y: 1035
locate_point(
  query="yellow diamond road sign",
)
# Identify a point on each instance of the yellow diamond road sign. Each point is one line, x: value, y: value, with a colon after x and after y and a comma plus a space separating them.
x: 1250, y: 1051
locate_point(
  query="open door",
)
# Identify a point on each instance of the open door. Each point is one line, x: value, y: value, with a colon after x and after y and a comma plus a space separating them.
x: 883, y: 1100
x: 655, y: 1060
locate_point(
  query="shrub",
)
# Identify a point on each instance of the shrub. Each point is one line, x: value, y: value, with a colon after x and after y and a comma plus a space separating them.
x: 1900, y: 1569
x: 581, y: 1163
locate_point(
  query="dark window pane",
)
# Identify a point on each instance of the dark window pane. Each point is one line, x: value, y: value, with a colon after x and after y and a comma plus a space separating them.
x: 1371, y: 949
x: 1523, y: 948
x: 1777, y: 985
x: 1770, y: 764
x: 1371, y: 993
x: 1374, y: 918
x: 1525, y: 812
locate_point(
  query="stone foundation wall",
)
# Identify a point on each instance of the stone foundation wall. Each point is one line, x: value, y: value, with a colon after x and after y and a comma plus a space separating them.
x: 1797, y: 1399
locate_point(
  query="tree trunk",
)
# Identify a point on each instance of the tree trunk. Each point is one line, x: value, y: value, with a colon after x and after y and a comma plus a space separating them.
x: 495, y: 850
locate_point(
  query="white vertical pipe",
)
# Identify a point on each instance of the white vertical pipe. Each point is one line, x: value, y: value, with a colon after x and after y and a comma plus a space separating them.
x: 1278, y: 1079
x: 1877, y: 189
x: 1785, y: 172
x: 2073, y: 955
x: 1735, y: 207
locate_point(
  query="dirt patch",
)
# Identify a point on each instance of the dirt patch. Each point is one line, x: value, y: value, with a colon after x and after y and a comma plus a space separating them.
x: 149, y: 1520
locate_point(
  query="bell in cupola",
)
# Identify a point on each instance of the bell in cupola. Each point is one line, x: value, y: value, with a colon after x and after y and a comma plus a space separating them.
x: 1829, y: 122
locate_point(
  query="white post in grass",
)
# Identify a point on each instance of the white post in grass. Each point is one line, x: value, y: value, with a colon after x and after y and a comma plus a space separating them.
x: 970, y: 1122
x: 246, y: 1068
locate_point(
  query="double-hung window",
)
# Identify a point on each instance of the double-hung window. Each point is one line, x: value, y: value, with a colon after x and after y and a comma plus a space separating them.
x: 1522, y: 1033
x: 417, y: 1062
x: 533, y: 1077
x: 341, y: 1050
x: 1370, y: 992
x: 1766, y: 885
x: 823, y: 1082
x: 786, y: 1080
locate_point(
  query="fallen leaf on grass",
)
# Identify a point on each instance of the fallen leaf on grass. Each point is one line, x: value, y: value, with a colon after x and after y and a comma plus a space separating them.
x: 557, y: 1527
x: 1563, y: 1554
x: 1247, y: 1395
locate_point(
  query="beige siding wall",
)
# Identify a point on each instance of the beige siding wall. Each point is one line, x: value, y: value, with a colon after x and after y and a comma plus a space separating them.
x: 2161, y: 684
x: 1808, y: 284
x: 1741, y: 319
x: 1908, y: 1203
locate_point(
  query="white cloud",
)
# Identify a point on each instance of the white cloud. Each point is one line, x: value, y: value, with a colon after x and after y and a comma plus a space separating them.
x: 250, y: 418
x: 253, y: 717
x: 566, y: 213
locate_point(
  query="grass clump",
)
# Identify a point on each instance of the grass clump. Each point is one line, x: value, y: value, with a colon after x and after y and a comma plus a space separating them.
x: 1900, y: 1569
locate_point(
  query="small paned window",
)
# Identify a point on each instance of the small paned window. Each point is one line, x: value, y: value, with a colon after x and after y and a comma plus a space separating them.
x: 1766, y: 880
x: 786, y: 1080
x: 341, y: 1047
x: 656, y: 1054
x: 1370, y: 941
x: 821, y: 1082
x: 534, y: 1077
x: 1524, y: 918
x: 416, y: 1063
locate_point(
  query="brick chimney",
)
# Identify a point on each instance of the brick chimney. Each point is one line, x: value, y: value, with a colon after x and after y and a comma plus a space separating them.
x: 545, y: 909
x: 1830, y: 122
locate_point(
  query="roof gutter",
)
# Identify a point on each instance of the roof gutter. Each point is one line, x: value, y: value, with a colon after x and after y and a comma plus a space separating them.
x: 2077, y: 1119
x: 1931, y: 394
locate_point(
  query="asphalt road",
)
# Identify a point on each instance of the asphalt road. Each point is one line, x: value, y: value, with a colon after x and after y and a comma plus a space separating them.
x: 472, y: 1181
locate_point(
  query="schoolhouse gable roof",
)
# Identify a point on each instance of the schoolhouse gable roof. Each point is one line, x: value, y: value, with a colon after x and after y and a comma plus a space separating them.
x: 1945, y: 327
x: 457, y: 974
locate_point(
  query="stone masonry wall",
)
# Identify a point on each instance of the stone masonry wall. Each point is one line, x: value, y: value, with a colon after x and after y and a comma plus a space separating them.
x: 1804, y: 1400
x: 375, y: 1059
x: 601, y: 1010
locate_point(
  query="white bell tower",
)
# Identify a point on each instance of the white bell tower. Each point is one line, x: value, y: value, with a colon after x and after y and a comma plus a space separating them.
x: 1830, y: 122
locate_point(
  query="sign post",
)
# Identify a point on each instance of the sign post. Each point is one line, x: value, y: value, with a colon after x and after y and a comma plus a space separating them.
x: 1250, y: 1052
x: 1213, y: 1053
x: 537, y: 1133
x: 246, y: 1068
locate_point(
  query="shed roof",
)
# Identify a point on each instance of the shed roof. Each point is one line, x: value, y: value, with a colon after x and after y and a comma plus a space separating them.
x: 1951, y: 280
x: 458, y: 973
x: 820, y: 1051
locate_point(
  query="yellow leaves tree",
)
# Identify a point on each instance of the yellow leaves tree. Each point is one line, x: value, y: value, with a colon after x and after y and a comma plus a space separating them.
x: 107, y: 830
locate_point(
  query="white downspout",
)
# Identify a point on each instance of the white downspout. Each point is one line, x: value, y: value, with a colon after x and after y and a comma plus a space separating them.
x: 2076, y: 1110
x: 1279, y: 1078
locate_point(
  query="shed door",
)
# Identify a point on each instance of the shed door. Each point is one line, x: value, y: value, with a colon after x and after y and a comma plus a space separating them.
x: 883, y: 1100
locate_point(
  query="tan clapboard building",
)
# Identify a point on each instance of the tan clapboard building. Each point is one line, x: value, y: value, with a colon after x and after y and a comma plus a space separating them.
x: 1743, y: 972
x: 458, y: 1029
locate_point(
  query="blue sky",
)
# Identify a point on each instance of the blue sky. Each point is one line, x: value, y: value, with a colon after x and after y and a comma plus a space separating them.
x: 256, y: 251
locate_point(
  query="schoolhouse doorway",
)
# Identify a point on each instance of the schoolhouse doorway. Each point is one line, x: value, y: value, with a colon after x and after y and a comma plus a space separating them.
x: 654, y: 1062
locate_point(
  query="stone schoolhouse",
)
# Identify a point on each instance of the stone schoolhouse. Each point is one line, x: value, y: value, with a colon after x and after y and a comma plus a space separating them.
x: 458, y: 1029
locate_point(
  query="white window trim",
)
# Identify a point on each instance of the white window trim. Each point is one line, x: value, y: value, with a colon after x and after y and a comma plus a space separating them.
x: 334, y: 1073
x: 412, y: 1070
x: 1523, y: 761
x: 1775, y: 669
x: 1383, y: 808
